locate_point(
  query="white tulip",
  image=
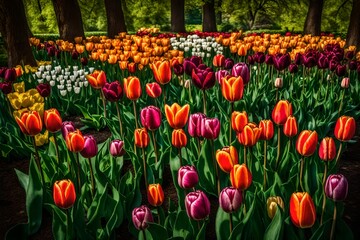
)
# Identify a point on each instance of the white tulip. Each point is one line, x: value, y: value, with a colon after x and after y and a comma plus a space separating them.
x: 52, y: 83
x: 63, y: 93
x: 40, y: 81
x: 76, y: 90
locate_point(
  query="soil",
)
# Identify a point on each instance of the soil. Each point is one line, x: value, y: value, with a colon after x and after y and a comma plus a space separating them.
x: 12, y: 196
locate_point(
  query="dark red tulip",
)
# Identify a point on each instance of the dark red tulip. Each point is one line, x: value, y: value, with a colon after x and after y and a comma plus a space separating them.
x: 6, y: 87
x: 203, y: 79
x: 113, y: 91
x: 44, y: 89
x: 10, y: 75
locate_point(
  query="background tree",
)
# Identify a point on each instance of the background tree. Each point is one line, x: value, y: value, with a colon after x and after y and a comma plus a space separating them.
x: 178, y: 15
x: 208, y: 16
x: 313, y: 17
x: 14, y: 30
x: 353, y: 33
x: 115, y: 17
x: 69, y: 19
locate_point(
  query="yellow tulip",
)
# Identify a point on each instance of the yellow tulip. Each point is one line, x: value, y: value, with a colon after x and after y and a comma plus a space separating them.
x: 41, y: 139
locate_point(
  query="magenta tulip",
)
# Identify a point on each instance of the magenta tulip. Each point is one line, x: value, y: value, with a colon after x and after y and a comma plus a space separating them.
x: 117, y: 148
x: 241, y: 69
x: 90, y: 147
x: 194, y: 125
x: 197, y: 205
x: 113, y: 91
x: 66, y: 128
x: 187, y: 177
x: 141, y: 216
x: 150, y: 117
x: 210, y: 128
x: 336, y: 187
x: 230, y: 199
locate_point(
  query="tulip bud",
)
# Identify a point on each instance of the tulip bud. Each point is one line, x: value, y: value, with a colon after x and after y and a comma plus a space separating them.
x: 194, y: 125
x: 64, y: 194
x: 141, y: 137
x: 250, y: 135
x: 327, y: 149
x: 153, y: 90
x: 6, y: 87
x: 131, y: 67
x: 227, y: 157
x: 241, y: 69
x: 302, y: 210
x: 239, y: 120
x: 290, y: 127
x: 113, y: 91
x: 345, y: 82
x: 210, y: 128
x: 132, y: 88
x: 10, y: 75
x: 141, y: 216
x: 345, y: 128
x: 240, y: 177
x: 150, y: 117
x: 30, y: 123
x: 229, y: 63
x: 155, y: 194
x: 267, y: 129
x: 52, y: 120
x: 282, y: 61
x: 281, y: 111
x: 221, y: 74
x: 340, y: 70
x: 306, y: 143
x: 44, y: 89
x: 66, y: 128
x: 178, y: 69
x: 232, y: 88
x: 219, y: 60
x: 203, y: 79
x: 278, y: 82
x: 177, y: 115
x: 272, y: 204
x: 117, y: 148
x: 90, y: 147
x: 336, y: 187
x: 75, y: 141
x: 178, y: 138
x: 293, y: 68
x: 197, y: 205
x: 97, y: 79
x: 187, y: 177
x: 161, y: 71
x: 230, y: 199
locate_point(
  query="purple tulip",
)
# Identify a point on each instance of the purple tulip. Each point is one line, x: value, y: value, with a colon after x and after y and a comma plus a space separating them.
x: 350, y: 54
x: 191, y: 63
x: 196, y: 60
x: 333, y: 65
x: 51, y: 51
x: 203, y: 79
x: 352, y: 65
x: 75, y: 55
x: 259, y: 57
x: 90, y: 147
x: 308, y: 60
x: 194, y: 124
x: 210, y: 128
x: 150, y: 117
x: 113, y: 91
x: 10, y: 75
x: 269, y: 59
x: 282, y: 62
x: 141, y: 216
x: 251, y: 60
x: 197, y: 205
x: 117, y: 148
x: 6, y: 87
x: 230, y: 199
x: 44, y: 89
x: 220, y: 74
x: 84, y: 61
x: 336, y: 187
x: 241, y: 69
x: 2, y: 72
x: 187, y: 177
x: 293, y: 68
x: 323, y: 62
x: 67, y: 127
x: 340, y: 70
x: 298, y: 59
x: 229, y: 63
x: 178, y: 69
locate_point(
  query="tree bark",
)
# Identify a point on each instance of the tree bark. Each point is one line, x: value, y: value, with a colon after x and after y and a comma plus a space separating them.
x: 353, y: 34
x: 115, y: 17
x: 69, y: 19
x: 178, y: 15
x: 313, y: 18
x: 209, y: 17
x: 14, y: 30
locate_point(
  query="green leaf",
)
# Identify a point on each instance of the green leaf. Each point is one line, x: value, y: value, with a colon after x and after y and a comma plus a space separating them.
x: 201, y: 234
x: 183, y: 227
x: 222, y: 224
x: 275, y: 228
x: 23, y: 179
x: 157, y: 231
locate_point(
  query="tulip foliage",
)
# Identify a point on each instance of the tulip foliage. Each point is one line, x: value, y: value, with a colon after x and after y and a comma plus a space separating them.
x: 225, y: 132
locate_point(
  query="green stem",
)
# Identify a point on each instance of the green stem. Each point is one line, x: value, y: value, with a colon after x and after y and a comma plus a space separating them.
x: 230, y: 222
x: 78, y: 171
x: 198, y: 144
x: 341, y: 102
x: 278, y: 148
x: 104, y: 102
x: 324, y: 196
x: 245, y: 162
x: 265, y: 157
x: 38, y: 161
x: 244, y: 202
x: 155, y: 149
x: 277, y: 94
x: 301, y: 173
x: 230, y: 130
x: 57, y: 150
x: 144, y: 164
x: 180, y: 157
x: 204, y: 102
x: 216, y: 167
x: 135, y: 114
x: 143, y: 233
x: 333, y: 223
x: 119, y: 118
x: 338, y: 154
x: 92, y: 178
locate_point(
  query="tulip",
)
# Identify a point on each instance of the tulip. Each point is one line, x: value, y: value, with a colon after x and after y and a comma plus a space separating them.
x: 352, y: 65
x: 345, y: 128
x: 6, y: 87
x: 194, y: 125
x: 239, y: 120
x: 10, y: 75
x: 308, y: 61
x: 66, y: 128
x: 189, y: 66
x: 153, y: 90
x: 290, y: 127
x: 117, y: 148
x: 141, y: 137
x: 259, y: 57
x: 161, y: 71
x: 229, y: 63
x: 176, y: 115
x: 187, y: 177
x: 97, y: 79
x: 52, y: 120
x: 302, y: 210
x: 75, y: 141
x: 336, y: 187
x: 293, y: 68
x: 219, y: 60
x: 178, y: 138
x: 327, y: 149
x: 221, y: 74
x: 132, y: 88
x: 241, y: 69
x: 203, y: 79
x: 90, y: 147
x: 230, y: 199
x: 345, y: 82
x: 250, y: 60
x: 306, y: 143
x: 141, y: 216
x: 269, y: 59
x: 155, y: 194
x: 210, y: 128
x: 178, y: 69
x: 282, y: 62
x: 150, y: 117
x: 278, y: 83
x: 232, y: 88
x: 131, y: 67
x: 340, y: 70
x: 30, y: 123
x: 250, y: 135
x: 113, y: 91
x: 64, y: 194
x: 197, y: 205
x: 227, y: 157
x: 323, y: 62
x: 272, y: 204
x: 240, y: 177
x: 44, y: 89
x: 19, y: 87
x: 267, y: 129
x: 281, y: 111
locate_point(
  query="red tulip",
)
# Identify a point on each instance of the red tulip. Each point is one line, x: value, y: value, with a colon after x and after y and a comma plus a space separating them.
x: 306, y: 142
x: 302, y: 210
x: 227, y: 157
x: 290, y: 127
x: 30, y: 123
x: 75, y: 141
x: 250, y: 135
x: 52, y: 120
x: 240, y: 177
x: 281, y: 112
x: 153, y: 90
x: 267, y: 129
x: 155, y: 194
x: 64, y: 194
x: 97, y: 79
x: 327, y: 149
x: 345, y: 128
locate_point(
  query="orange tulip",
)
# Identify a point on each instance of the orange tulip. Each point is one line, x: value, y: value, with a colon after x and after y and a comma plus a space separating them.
x: 161, y: 71
x: 250, y: 135
x: 302, y: 210
x: 64, y: 194
x: 240, y: 177
x: 281, y: 112
x: 131, y: 67
x: 123, y: 65
x: 141, y: 137
x: 178, y: 138
x: 306, y: 142
x: 52, y: 120
x: 239, y: 120
x: 30, y: 123
x: 327, y: 149
x: 132, y: 88
x: 176, y: 115
x: 345, y: 128
x: 267, y: 129
x: 232, y: 88
x: 155, y: 194
x: 97, y: 79
x: 75, y: 141
x: 219, y: 60
x: 290, y: 127
x: 227, y: 157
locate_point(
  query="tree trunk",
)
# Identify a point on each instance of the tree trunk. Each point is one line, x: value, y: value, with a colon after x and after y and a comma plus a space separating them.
x: 209, y: 18
x: 353, y: 34
x: 313, y: 18
x: 14, y: 30
x: 69, y: 20
x: 178, y: 15
x: 115, y: 18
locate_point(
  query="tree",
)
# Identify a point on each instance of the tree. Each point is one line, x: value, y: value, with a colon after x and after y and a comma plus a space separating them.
x: 209, y: 17
x: 353, y: 34
x: 14, y: 30
x: 178, y: 15
x: 69, y: 20
x: 313, y: 18
x: 115, y: 17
